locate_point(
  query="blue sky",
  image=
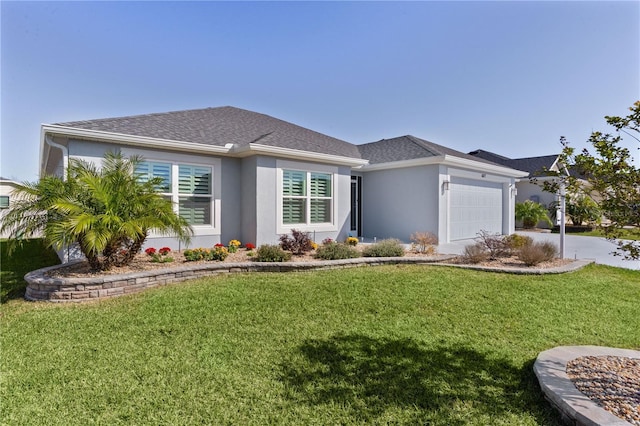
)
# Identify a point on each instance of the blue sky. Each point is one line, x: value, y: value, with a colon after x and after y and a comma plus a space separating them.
x: 507, y: 77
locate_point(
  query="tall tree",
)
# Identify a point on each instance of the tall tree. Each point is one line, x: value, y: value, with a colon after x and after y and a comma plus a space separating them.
x: 108, y: 212
x: 612, y: 180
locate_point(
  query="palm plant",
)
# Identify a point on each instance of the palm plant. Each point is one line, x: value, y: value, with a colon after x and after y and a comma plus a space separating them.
x: 530, y: 213
x: 107, y: 212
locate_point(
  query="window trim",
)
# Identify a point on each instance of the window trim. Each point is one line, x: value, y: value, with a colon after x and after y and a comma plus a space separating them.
x: 283, y: 228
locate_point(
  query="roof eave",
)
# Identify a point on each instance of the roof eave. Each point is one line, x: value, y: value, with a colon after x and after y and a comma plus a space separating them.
x: 254, y: 148
x: 448, y: 160
x: 143, y: 141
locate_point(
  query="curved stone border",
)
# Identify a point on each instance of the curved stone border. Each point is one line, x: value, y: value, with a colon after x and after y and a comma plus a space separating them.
x: 570, y: 267
x: 61, y: 289
x: 574, y: 406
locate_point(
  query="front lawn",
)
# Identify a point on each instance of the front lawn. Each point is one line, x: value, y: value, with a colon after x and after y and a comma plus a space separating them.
x: 627, y: 234
x: 383, y: 345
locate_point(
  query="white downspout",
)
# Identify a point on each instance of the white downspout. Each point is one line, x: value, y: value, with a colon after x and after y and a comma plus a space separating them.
x: 65, y: 155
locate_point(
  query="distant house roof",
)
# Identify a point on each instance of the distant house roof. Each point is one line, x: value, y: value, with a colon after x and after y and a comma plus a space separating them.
x: 536, y: 166
x: 407, y: 148
x: 219, y: 127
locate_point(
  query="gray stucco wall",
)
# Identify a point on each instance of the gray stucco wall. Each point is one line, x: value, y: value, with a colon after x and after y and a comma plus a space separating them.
x: 266, y: 201
x: 248, y: 215
x: 399, y: 202
x: 231, y: 201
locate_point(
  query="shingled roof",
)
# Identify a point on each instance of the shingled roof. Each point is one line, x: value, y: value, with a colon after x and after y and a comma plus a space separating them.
x: 534, y: 165
x: 221, y: 126
x: 407, y: 148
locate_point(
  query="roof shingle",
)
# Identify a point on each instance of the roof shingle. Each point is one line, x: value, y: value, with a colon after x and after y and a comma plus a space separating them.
x: 407, y: 148
x: 221, y: 126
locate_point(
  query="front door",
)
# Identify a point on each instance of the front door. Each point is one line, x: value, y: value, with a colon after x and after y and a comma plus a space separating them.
x: 356, y: 212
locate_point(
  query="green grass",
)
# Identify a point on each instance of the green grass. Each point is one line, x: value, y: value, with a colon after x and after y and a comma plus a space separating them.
x: 626, y: 234
x: 381, y: 345
x: 30, y: 255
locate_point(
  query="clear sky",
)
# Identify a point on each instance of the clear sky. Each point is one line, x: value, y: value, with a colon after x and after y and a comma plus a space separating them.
x: 507, y: 77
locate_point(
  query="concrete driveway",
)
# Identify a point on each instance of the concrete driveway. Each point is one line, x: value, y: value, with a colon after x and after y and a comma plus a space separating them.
x: 576, y: 247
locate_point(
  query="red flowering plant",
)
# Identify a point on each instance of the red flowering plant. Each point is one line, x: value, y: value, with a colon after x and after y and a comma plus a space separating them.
x: 159, y: 256
x: 249, y: 246
x: 219, y: 245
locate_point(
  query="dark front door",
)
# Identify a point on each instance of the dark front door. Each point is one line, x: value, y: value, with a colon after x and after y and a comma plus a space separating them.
x: 356, y: 211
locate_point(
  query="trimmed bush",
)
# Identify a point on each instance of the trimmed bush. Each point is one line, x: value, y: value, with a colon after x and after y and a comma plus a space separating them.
x: 297, y: 243
x: 495, y: 244
x: 475, y: 253
x: 424, y: 242
x: 536, y: 253
x: 333, y: 251
x: 271, y: 253
x: 385, y: 248
x: 515, y: 242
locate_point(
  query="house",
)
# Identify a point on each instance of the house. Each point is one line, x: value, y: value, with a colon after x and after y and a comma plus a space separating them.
x: 7, y: 186
x: 237, y: 174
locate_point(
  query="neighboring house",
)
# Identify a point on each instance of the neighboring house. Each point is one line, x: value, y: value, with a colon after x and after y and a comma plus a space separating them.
x: 237, y: 174
x: 536, y: 167
x: 7, y: 187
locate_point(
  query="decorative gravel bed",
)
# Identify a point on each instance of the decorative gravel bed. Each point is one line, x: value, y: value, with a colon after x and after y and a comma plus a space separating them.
x: 610, y: 381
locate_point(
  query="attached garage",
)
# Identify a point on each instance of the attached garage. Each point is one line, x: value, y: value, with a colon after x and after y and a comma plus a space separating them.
x: 475, y: 205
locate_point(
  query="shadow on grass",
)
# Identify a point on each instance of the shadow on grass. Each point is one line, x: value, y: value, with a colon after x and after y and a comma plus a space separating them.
x: 448, y: 385
x: 26, y: 257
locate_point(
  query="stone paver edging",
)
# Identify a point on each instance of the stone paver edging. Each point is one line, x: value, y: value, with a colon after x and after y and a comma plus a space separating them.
x: 574, y: 406
x: 40, y: 286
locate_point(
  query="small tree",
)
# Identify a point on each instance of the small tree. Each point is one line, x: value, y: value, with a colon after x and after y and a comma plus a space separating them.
x: 107, y: 212
x: 530, y: 213
x: 611, y: 178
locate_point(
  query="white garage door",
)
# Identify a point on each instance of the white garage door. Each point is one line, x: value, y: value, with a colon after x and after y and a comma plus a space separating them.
x: 474, y: 206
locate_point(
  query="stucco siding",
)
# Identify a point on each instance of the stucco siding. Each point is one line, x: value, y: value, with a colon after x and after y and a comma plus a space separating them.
x: 248, y: 207
x: 399, y: 202
x: 266, y: 201
x: 231, y: 200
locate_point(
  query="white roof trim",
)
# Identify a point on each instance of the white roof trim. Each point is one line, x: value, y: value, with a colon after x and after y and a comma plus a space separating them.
x: 448, y: 160
x: 133, y: 140
x: 255, y: 148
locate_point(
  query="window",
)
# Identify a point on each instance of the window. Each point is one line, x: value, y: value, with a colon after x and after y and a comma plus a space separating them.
x: 189, y: 187
x: 4, y: 201
x: 307, y: 197
x: 194, y: 187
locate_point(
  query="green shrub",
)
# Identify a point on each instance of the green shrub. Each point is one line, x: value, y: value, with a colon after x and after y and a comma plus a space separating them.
x: 530, y: 213
x: 194, y: 255
x: 385, y: 248
x: 536, y: 253
x: 475, y: 253
x: 218, y: 253
x: 333, y: 251
x: 297, y: 243
x: 271, y: 253
x: 515, y: 242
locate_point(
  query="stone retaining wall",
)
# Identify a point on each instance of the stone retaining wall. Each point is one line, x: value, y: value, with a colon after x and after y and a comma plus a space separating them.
x: 40, y: 286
